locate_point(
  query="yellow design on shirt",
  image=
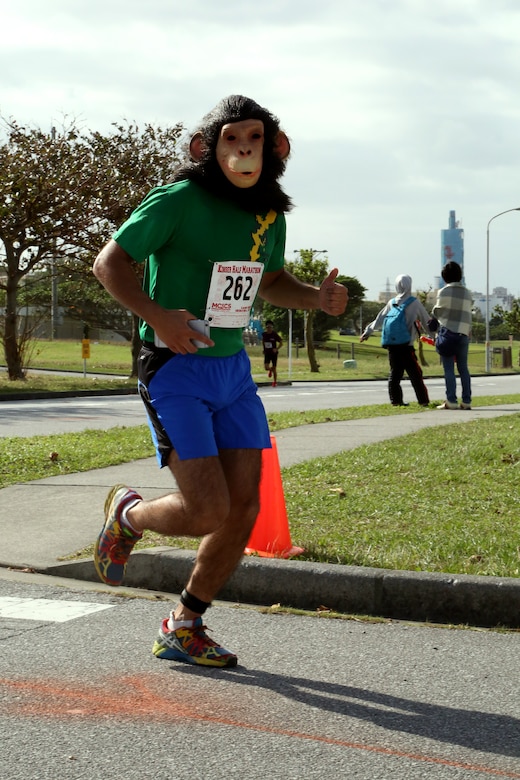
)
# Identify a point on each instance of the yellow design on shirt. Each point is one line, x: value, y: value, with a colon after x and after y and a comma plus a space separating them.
x: 257, y: 237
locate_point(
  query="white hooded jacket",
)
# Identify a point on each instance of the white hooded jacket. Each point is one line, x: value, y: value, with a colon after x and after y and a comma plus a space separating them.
x: 414, y: 312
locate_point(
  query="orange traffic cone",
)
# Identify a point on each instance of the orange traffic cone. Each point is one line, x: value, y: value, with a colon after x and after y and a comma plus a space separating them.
x: 270, y: 537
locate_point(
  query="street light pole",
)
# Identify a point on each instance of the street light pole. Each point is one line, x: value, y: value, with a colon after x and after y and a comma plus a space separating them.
x: 488, y: 350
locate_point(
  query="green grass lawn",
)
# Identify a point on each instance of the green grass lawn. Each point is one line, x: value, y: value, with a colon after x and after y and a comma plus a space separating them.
x: 430, y: 501
x: 371, y: 363
x: 65, y: 355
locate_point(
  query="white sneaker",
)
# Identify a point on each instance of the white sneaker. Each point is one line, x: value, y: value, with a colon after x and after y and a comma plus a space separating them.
x: 448, y: 405
x: 465, y: 406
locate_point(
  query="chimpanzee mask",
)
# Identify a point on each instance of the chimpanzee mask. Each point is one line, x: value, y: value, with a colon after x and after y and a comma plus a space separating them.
x: 239, y: 152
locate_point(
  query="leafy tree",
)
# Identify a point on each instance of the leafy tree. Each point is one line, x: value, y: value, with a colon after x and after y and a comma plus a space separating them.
x: 367, y: 313
x: 478, y: 331
x: 497, y: 316
x: 311, y: 269
x: 511, y: 319
x: 356, y: 303
x: 478, y: 316
x: 85, y: 300
x: 313, y: 326
x: 322, y: 323
x: 61, y: 197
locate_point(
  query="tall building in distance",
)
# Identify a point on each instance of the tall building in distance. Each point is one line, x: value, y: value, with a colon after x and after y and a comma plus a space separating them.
x: 452, y: 245
x: 452, y: 249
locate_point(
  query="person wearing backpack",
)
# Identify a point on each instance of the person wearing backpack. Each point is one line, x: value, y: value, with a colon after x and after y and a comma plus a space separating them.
x: 399, y: 322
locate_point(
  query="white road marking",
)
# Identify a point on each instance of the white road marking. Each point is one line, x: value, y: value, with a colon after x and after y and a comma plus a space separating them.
x: 52, y: 610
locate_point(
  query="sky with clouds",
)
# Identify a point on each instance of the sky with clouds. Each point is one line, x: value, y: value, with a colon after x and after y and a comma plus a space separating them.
x: 398, y: 111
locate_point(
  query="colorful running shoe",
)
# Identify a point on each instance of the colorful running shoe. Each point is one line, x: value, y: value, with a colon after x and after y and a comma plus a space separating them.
x: 191, y: 645
x: 116, y: 541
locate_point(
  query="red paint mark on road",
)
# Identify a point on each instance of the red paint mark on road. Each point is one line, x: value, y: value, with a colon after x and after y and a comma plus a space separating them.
x: 133, y: 697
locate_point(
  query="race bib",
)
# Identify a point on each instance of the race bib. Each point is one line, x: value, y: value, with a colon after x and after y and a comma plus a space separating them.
x: 232, y: 291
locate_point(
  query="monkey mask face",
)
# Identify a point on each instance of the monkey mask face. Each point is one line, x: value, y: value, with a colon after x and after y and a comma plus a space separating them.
x: 239, y: 153
x: 240, y: 149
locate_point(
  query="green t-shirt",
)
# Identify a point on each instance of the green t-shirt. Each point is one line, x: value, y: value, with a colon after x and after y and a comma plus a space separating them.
x: 181, y: 230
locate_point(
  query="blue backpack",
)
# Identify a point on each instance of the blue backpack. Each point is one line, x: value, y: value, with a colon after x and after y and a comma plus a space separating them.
x: 395, y: 330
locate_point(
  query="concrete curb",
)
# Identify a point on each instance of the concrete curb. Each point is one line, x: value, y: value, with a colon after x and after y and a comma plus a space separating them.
x: 401, y: 595
x: 39, y: 395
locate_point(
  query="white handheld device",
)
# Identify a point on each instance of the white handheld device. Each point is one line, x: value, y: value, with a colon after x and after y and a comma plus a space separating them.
x: 201, y: 326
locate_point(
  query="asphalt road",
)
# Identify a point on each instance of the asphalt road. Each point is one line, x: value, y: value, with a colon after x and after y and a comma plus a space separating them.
x: 83, y: 698
x: 66, y: 415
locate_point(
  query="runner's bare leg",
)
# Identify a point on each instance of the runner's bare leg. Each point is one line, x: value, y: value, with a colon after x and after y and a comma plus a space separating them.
x: 218, y: 499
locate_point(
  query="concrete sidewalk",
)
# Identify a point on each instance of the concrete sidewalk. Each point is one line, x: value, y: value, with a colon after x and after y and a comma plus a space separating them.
x: 46, y: 520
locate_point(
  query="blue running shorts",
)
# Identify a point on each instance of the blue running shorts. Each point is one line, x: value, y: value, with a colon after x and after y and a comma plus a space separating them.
x: 199, y: 405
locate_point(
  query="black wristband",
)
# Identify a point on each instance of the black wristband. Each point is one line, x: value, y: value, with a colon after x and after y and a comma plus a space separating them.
x: 193, y: 603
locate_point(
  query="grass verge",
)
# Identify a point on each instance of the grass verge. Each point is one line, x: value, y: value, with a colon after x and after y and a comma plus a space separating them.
x: 43, y: 384
x: 424, y: 501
